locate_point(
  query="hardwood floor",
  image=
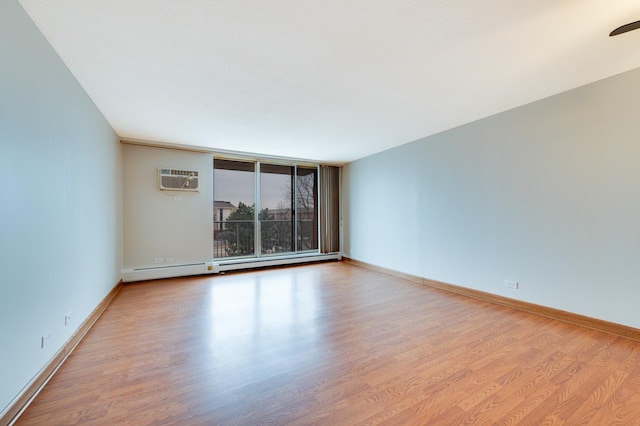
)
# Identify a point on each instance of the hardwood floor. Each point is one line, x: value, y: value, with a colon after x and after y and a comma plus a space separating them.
x: 334, y: 344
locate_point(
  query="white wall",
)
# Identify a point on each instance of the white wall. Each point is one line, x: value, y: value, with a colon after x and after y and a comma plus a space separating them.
x: 157, y: 224
x: 61, y: 208
x: 547, y: 194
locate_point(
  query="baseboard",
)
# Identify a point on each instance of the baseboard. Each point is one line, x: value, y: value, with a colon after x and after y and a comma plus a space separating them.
x: 556, y: 314
x: 22, y: 401
x: 168, y: 271
x: 264, y: 262
x: 408, y: 277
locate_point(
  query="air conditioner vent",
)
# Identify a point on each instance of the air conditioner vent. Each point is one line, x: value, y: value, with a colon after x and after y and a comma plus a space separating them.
x: 178, y: 180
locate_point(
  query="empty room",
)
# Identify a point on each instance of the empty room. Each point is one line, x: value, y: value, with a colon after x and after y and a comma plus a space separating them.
x: 333, y: 213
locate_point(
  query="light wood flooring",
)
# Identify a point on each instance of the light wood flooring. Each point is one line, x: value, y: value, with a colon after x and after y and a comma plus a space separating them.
x: 334, y: 344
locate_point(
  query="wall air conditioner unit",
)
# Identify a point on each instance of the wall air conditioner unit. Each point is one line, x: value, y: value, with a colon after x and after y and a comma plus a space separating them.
x: 178, y: 180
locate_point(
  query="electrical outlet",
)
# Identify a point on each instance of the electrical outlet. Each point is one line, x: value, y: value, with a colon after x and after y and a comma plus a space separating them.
x: 169, y: 260
x: 511, y: 284
x: 44, y: 339
x: 158, y: 260
x: 67, y: 319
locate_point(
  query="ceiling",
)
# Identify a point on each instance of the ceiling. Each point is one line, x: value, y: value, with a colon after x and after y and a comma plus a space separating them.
x: 330, y: 80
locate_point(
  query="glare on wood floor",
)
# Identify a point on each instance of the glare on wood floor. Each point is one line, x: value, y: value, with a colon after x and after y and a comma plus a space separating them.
x: 334, y: 344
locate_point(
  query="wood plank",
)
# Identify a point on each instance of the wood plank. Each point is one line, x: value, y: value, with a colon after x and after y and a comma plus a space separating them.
x: 31, y: 391
x: 558, y: 314
x: 334, y: 343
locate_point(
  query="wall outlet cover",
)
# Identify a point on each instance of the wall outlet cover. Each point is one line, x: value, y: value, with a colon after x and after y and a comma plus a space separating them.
x: 511, y: 284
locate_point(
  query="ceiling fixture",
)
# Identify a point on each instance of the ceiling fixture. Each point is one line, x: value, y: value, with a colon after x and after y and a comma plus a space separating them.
x: 627, y: 27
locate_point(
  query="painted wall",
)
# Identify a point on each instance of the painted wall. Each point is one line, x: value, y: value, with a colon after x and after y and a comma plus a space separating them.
x: 164, y: 224
x: 547, y: 194
x: 61, y: 207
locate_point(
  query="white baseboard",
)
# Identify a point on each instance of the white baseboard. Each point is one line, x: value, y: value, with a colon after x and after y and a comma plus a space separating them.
x: 154, y: 273
x: 261, y: 262
x: 203, y: 268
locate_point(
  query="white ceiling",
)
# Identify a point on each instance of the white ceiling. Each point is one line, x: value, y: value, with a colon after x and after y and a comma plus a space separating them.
x: 330, y: 80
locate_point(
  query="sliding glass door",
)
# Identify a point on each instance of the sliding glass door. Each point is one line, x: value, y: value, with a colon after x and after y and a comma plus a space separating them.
x: 234, y: 225
x: 276, y: 209
x: 275, y: 214
x: 306, y: 202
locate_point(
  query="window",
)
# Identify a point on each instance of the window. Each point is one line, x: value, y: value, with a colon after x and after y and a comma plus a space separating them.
x: 263, y: 209
x: 234, y: 201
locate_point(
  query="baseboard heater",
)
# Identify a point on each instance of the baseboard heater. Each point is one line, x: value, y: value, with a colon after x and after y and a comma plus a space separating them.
x: 154, y: 273
x: 262, y: 262
x: 203, y: 268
